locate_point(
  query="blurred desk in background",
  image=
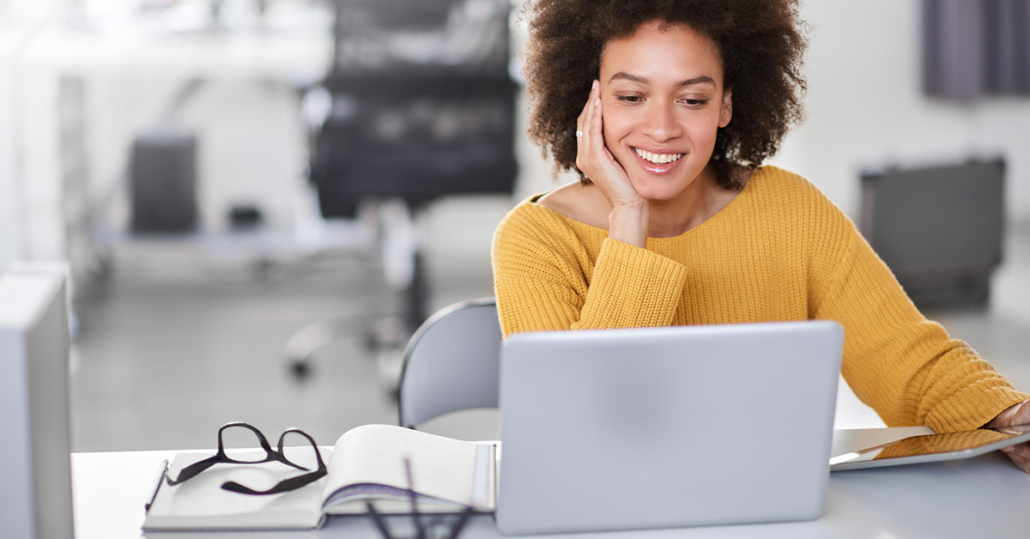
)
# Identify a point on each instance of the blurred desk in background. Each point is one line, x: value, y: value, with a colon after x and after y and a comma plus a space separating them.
x: 57, y: 60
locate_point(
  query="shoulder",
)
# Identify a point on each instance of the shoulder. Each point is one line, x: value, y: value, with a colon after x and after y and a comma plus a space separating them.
x: 528, y: 216
x: 534, y: 240
x: 776, y: 190
x: 532, y: 224
x: 780, y: 184
x: 785, y: 205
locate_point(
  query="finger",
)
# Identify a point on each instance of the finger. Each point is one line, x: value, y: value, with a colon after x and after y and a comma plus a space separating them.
x: 1022, y: 462
x: 581, y: 119
x: 597, y: 121
x: 591, y: 120
x: 586, y: 155
x: 587, y: 111
x: 1020, y: 454
x: 1022, y: 415
x: 1019, y: 450
x: 602, y: 151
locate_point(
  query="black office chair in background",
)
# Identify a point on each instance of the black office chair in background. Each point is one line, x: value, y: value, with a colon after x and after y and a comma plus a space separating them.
x: 422, y: 106
x: 422, y: 103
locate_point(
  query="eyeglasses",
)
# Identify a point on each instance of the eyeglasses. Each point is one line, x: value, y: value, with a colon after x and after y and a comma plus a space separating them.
x: 437, y: 527
x: 271, y: 455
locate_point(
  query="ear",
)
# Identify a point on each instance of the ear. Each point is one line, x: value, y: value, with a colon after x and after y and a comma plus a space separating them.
x: 727, y: 108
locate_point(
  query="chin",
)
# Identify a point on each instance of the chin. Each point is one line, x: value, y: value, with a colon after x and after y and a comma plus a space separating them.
x: 654, y: 187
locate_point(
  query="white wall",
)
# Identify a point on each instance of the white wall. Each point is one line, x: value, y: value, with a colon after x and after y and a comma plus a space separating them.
x: 8, y: 196
x: 865, y: 106
x: 19, y: 19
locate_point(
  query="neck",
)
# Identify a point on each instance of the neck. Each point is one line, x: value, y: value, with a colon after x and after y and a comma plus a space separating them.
x: 702, y: 199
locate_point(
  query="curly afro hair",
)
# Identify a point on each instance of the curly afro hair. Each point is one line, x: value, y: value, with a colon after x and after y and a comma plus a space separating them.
x: 759, y: 41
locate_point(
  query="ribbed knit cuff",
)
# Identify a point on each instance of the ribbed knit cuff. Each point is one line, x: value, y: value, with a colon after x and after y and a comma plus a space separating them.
x: 632, y: 287
x: 973, y: 407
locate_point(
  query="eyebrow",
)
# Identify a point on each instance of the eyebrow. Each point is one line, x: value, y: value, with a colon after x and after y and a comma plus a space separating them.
x: 703, y: 79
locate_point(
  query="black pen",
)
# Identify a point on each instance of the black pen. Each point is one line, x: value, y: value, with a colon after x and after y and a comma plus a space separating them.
x: 157, y: 484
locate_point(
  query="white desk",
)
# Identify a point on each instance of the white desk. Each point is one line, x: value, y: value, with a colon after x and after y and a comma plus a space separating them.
x: 982, y: 497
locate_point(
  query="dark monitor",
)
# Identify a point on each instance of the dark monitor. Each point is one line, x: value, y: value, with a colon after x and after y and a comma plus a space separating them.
x: 939, y: 228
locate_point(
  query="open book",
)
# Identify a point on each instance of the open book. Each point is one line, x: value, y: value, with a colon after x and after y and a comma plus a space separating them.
x: 365, y: 466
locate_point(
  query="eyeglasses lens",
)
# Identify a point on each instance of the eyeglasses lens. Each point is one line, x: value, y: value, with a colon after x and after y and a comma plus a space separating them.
x: 298, y: 450
x: 237, y: 438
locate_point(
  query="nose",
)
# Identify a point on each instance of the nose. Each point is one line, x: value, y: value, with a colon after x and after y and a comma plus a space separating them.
x: 660, y: 121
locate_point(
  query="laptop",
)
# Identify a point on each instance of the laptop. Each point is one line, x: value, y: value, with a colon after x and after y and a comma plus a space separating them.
x: 666, y: 427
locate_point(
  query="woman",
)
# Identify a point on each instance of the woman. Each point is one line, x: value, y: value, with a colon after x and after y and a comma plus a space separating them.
x: 677, y: 222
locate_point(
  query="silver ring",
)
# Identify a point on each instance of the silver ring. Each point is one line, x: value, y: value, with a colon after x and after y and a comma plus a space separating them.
x: 579, y: 133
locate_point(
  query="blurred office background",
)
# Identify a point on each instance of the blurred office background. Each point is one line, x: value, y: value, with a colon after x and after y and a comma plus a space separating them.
x: 190, y: 315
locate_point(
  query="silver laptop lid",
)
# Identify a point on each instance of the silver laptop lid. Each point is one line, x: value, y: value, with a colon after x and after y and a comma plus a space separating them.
x: 657, y: 427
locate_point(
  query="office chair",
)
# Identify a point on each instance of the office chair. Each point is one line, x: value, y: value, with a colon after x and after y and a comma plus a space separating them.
x: 451, y: 363
x: 420, y: 105
x: 423, y: 106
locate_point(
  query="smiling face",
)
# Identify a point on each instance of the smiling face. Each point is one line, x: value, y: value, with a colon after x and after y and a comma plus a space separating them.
x: 663, y: 101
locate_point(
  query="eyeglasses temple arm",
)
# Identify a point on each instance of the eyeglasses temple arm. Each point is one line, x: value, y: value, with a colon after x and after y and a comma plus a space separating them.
x: 378, y: 520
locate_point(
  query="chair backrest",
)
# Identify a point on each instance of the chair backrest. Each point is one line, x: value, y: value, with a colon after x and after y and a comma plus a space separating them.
x: 451, y: 363
x: 423, y: 104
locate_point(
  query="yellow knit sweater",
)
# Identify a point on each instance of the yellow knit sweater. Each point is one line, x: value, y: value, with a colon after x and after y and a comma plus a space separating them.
x: 779, y: 251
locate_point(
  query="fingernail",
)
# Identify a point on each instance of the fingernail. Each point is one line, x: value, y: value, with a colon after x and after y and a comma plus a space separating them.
x: 1008, y: 449
x: 594, y: 85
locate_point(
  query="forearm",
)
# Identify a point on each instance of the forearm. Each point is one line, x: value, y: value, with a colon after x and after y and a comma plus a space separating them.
x: 631, y: 287
x: 626, y: 287
x: 904, y: 366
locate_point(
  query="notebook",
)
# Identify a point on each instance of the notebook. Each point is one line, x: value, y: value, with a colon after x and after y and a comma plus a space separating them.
x: 365, y: 466
x: 666, y: 427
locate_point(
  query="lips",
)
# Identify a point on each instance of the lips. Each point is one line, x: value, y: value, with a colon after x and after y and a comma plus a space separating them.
x: 658, y: 162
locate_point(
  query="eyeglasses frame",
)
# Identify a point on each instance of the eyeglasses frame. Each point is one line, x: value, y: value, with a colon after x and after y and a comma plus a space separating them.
x: 271, y: 455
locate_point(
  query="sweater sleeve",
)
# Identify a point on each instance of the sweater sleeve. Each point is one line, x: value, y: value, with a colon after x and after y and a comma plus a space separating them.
x: 903, y: 365
x: 544, y: 280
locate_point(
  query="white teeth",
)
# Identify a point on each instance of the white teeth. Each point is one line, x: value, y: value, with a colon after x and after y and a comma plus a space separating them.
x: 658, y: 158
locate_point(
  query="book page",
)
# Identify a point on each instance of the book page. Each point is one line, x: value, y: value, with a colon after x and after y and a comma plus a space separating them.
x: 392, y: 501
x: 201, y: 503
x: 442, y: 468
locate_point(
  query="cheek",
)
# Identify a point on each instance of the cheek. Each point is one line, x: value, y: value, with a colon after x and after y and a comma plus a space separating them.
x: 617, y: 120
x: 704, y: 131
x: 615, y: 127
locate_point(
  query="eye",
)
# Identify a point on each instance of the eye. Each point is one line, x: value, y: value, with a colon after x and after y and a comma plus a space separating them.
x: 695, y: 102
x: 630, y: 98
